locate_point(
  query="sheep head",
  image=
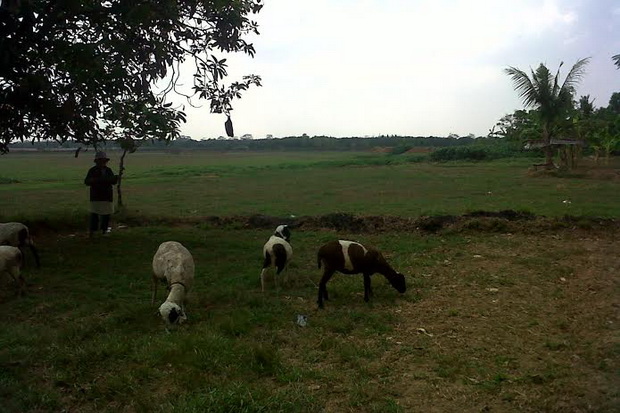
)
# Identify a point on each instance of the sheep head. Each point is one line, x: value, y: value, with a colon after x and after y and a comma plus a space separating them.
x: 398, y: 282
x: 172, y: 313
x: 283, y: 232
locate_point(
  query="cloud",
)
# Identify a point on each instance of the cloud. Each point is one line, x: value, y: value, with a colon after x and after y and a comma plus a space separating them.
x: 411, y: 67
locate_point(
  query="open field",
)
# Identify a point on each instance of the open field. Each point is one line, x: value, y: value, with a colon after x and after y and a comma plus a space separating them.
x: 282, y: 184
x: 499, y: 316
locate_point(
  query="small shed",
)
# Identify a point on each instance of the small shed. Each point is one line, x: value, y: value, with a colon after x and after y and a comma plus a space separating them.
x: 568, y: 149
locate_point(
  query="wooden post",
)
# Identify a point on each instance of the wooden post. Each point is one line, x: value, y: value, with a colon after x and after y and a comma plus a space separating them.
x: 121, y: 168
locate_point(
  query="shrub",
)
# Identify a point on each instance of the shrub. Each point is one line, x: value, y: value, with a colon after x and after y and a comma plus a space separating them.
x: 482, y: 151
x: 465, y: 153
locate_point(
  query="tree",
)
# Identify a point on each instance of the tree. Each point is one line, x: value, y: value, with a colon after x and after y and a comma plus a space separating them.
x: 614, y: 103
x: 86, y: 70
x: 519, y: 126
x: 616, y: 60
x: 544, y: 92
x: 586, y: 106
x: 128, y: 145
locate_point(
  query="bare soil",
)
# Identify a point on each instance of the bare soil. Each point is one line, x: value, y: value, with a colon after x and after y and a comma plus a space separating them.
x: 517, y: 323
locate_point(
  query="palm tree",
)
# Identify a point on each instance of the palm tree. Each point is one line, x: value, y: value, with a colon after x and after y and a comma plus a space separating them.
x: 616, y: 60
x: 543, y: 92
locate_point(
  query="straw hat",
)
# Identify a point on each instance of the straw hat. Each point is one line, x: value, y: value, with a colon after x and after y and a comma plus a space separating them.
x: 101, y: 155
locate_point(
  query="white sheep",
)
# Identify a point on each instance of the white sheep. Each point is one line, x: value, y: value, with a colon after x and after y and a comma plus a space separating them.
x: 277, y: 252
x: 10, y: 263
x: 17, y: 235
x: 174, y: 265
x: 350, y: 257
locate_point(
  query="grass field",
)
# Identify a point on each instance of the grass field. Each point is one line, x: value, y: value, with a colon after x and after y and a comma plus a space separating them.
x: 524, y: 320
x: 203, y: 184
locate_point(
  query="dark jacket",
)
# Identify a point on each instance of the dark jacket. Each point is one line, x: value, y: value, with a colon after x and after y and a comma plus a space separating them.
x: 100, y: 181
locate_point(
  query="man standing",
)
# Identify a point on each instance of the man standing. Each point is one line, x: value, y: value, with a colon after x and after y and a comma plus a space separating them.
x: 100, y: 178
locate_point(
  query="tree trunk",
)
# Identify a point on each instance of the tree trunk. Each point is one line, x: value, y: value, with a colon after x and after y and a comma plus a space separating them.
x: 121, y: 168
x: 548, y: 149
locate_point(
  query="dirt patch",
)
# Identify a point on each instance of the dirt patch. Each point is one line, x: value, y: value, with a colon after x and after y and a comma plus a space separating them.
x: 381, y: 149
x: 420, y: 149
x: 604, y: 174
x: 587, y: 169
x: 496, y: 344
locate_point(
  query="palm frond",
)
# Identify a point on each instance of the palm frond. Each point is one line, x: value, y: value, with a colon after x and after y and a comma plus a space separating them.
x: 544, y: 81
x: 576, y: 73
x: 556, y: 86
x: 523, y: 85
x: 616, y: 60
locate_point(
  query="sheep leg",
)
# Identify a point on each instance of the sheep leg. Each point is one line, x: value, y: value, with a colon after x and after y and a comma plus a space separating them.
x: 22, y: 262
x: 18, y: 279
x: 367, y: 288
x: 266, y: 265
x: 327, y: 275
x: 262, y: 279
x: 281, y: 269
x: 35, y: 253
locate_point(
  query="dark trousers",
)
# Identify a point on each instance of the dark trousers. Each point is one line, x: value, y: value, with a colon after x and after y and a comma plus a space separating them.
x: 94, y: 221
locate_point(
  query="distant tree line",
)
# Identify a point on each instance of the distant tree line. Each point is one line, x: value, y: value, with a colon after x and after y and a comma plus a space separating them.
x: 399, y: 144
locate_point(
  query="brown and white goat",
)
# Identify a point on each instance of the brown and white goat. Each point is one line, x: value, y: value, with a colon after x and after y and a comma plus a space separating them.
x: 350, y: 257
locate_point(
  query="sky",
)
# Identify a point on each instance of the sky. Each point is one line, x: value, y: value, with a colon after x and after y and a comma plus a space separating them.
x: 347, y: 68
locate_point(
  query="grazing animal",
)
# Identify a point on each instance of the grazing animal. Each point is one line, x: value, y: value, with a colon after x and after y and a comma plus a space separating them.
x: 17, y: 235
x: 350, y: 257
x: 174, y: 265
x: 10, y: 263
x: 277, y: 252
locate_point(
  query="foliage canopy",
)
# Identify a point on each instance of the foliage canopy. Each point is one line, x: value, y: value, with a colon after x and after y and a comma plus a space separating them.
x: 85, y: 70
x: 544, y: 91
x: 552, y: 99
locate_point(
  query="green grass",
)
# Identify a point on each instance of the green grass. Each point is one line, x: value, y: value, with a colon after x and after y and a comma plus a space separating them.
x: 85, y: 337
x: 88, y: 330
x: 491, y: 320
x: 206, y: 184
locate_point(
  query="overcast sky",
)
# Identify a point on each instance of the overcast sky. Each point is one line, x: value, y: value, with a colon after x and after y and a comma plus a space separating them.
x: 408, y: 67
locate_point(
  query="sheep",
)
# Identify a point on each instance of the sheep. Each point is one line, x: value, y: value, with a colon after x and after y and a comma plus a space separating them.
x: 350, y: 257
x: 17, y: 235
x: 10, y: 263
x: 277, y: 252
x: 174, y: 265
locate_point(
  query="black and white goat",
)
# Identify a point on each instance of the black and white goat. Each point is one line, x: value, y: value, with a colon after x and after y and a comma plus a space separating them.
x: 16, y: 234
x: 174, y: 265
x: 350, y: 257
x: 277, y: 252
